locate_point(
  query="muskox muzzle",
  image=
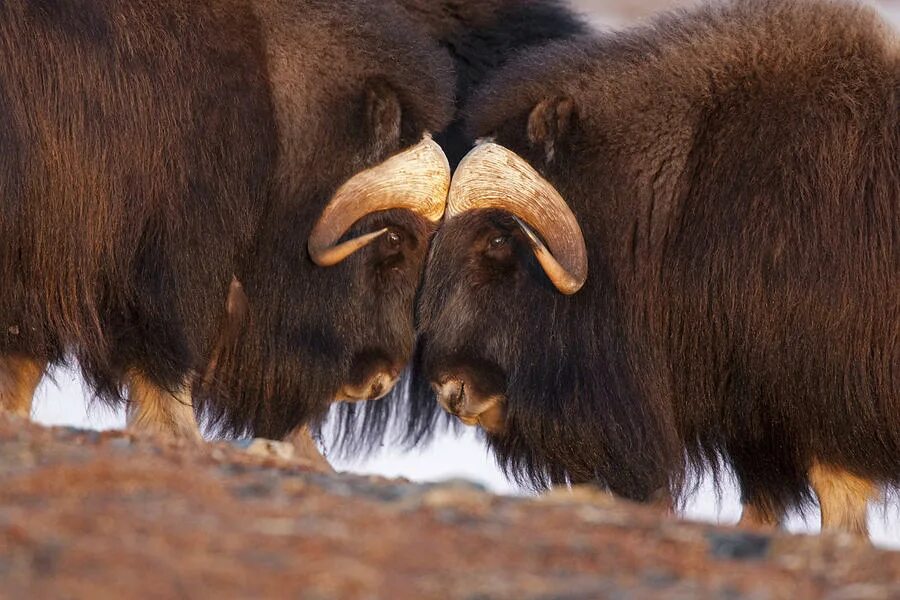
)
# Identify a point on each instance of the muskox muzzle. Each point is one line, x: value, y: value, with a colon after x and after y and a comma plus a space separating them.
x: 474, y: 408
x: 372, y: 377
x: 416, y: 179
x: 493, y: 177
x: 375, y: 387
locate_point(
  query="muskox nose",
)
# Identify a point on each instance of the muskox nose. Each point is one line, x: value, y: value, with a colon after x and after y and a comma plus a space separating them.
x: 376, y: 386
x: 470, y: 406
x: 382, y: 383
x: 450, y: 394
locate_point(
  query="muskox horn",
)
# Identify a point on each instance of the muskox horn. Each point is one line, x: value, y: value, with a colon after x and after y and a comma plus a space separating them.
x: 416, y: 179
x: 491, y: 176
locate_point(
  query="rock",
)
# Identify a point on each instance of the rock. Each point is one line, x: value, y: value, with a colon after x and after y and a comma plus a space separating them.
x: 271, y: 449
x: 738, y: 545
x: 87, y: 516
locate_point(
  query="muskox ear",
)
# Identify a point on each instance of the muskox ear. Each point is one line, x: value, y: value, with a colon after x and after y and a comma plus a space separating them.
x: 383, y: 116
x: 549, y: 122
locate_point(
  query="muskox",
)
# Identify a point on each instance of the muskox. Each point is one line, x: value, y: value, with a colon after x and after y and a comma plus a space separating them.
x: 216, y: 203
x: 683, y: 240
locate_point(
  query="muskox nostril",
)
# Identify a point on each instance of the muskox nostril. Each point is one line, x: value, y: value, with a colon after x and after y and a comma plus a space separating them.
x: 376, y: 390
x: 458, y: 395
x: 450, y: 395
x: 444, y: 397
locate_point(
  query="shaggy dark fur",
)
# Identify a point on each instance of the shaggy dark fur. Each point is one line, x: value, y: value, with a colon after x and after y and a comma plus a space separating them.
x: 480, y: 37
x: 736, y: 172
x: 150, y: 150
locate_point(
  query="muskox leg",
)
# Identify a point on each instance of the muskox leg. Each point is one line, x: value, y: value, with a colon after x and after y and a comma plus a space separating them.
x: 305, y: 448
x: 759, y: 513
x: 663, y: 501
x: 843, y: 499
x: 19, y: 378
x: 157, y: 410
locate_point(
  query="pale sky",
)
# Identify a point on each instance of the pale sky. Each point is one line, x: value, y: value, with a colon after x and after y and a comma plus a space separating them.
x: 62, y: 403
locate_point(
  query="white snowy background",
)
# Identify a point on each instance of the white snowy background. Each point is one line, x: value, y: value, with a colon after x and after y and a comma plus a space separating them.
x: 61, y: 400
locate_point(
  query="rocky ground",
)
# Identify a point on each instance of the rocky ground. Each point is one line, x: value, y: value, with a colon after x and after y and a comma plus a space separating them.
x: 95, y: 515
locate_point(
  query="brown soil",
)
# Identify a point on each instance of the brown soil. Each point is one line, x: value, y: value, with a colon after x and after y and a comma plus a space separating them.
x: 97, y: 515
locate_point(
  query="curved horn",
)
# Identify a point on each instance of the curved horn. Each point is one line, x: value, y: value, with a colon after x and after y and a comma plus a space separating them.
x: 491, y: 176
x: 416, y: 179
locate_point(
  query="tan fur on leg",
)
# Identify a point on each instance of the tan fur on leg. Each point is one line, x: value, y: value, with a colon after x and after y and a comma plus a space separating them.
x: 305, y: 448
x: 843, y: 499
x: 155, y: 410
x: 663, y: 501
x: 19, y: 378
x: 757, y: 514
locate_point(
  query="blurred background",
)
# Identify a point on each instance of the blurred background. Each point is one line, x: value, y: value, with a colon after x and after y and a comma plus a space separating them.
x: 61, y: 401
x: 618, y: 13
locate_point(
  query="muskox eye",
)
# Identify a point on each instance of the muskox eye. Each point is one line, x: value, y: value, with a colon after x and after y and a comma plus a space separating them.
x: 498, y: 242
x: 394, y: 239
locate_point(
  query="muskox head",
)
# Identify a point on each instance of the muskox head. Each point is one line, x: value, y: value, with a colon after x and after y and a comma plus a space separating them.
x: 337, y: 257
x: 520, y: 329
x: 413, y: 185
x: 505, y: 209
